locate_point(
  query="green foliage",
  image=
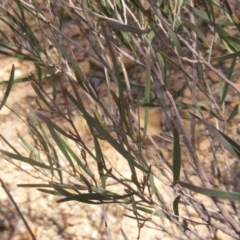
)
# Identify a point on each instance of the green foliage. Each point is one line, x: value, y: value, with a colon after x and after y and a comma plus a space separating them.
x: 160, y: 37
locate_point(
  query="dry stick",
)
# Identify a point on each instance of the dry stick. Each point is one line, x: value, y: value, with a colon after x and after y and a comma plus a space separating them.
x: 206, y: 63
x: 162, y: 95
x: 17, y: 208
x: 168, y: 101
x: 157, y: 70
x: 224, y: 79
x: 203, y: 176
x: 191, y: 149
x: 193, y: 87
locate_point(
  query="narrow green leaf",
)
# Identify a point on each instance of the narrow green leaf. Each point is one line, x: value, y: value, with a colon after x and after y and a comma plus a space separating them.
x: 25, y: 159
x: 41, y: 135
x: 93, y: 123
x: 100, y: 162
x: 176, y: 157
x: 26, y: 31
x: 225, y: 57
x: 33, y: 185
x: 127, y: 28
x: 199, y: 13
x: 231, y: 14
x: 234, y: 42
x: 226, y: 142
x: 176, y: 42
x: 62, y: 146
x: 223, y: 22
x: 54, y: 155
x: 78, y: 161
x: 80, y: 80
x: 153, y: 188
x: 9, y: 144
x: 30, y: 148
x: 61, y: 18
x: 175, y: 206
x: 91, y: 197
x: 87, y: 183
x: 234, y: 145
x: 21, y: 9
x: 149, y: 211
x: 194, y: 28
x: 163, y: 65
x: 26, y: 144
x: 16, y: 54
x: 147, y: 94
x: 61, y: 190
x: 118, y: 76
x: 233, y: 196
x: 201, y: 108
x: 41, y: 96
x: 56, y: 193
x: 151, y: 35
x: 175, y: 64
x: 179, y: 93
x: 226, y: 85
x: 26, y: 79
x: 53, y: 125
x: 210, y: 13
x: 9, y: 87
x: 124, y: 234
x: 78, y: 71
x: 39, y: 71
x: 185, y: 224
x: 7, y: 38
x: 233, y: 113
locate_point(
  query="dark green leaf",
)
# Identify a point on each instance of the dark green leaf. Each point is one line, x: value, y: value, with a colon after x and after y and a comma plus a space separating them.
x: 226, y: 142
x: 149, y: 211
x: 176, y: 42
x: 60, y: 189
x: 233, y: 113
x: 34, y: 185
x: 9, y: 87
x: 56, y: 193
x: 41, y: 96
x: 194, y: 28
x: 92, y: 123
x: 61, y: 18
x: 147, y: 94
x: 176, y: 157
x: 53, y: 125
x: 30, y: 161
x: 233, y: 196
x: 94, y: 198
x: 100, y: 162
x: 202, y: 108
x: 226, y: 85
x: 175, y: 206
x: 127, y: 28
x: 199, y: 13
x: 225, y: 57
x: 62, y: 145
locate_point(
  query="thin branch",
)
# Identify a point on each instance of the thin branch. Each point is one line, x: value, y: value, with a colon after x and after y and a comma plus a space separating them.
x: 17, y: 208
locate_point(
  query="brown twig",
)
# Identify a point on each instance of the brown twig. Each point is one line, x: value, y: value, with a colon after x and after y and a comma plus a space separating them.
x: 17, y: 208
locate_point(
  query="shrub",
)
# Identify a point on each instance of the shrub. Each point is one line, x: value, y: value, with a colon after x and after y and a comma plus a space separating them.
x: 157, y: 38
